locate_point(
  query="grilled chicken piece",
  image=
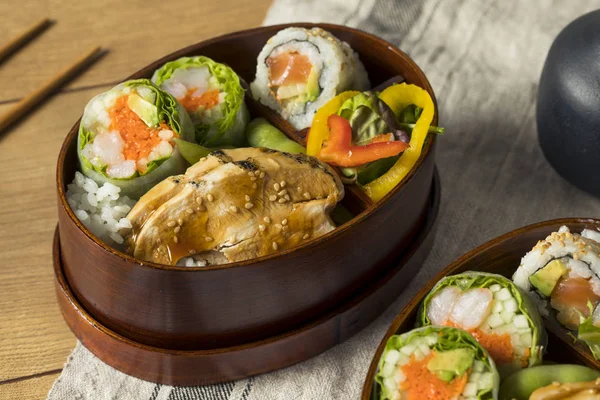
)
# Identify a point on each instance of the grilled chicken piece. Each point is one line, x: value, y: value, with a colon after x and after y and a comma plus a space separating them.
x: 235, y: 205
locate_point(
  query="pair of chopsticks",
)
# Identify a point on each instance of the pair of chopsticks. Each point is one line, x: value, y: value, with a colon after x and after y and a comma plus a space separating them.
x: 36, y: 97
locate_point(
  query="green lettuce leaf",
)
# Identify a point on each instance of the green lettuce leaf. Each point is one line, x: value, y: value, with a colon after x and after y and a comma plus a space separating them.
x: 228, y: 130
x: 363, y: 114
x: 589, y: 333
x: 448, y: 339
x: 472, y: 279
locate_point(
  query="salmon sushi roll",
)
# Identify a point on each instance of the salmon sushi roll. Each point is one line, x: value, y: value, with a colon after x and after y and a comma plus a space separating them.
x: 492, y: 309
x: 212, y: 95
x: 436, y: 363
x: 126, y: 137
x: 562, y: 275
x: 299, y: 70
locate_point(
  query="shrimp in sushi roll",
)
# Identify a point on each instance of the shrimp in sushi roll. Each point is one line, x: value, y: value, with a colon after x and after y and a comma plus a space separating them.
x: 299, y: 70
x: 492, y: 309
x: 126, y: 137
x: 436, y: 363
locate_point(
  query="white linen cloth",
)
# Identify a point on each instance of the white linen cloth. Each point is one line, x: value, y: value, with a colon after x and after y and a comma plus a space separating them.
x: 483, y: 59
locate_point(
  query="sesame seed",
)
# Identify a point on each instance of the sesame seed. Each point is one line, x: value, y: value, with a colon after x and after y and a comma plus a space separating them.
x: 253, y: 178
x: 171, y: 224
x: 283, y: 183
x: 210, y: 197
x: 284, y: 221
x: 177, y: 229
x: 192, y: 251
x: 282, y: 193
x: 278, y: 226
x: 175, y: 239
x: 285, y: 227
x: 254, y: 185
x: 208, y: 239
x: 262, y: 228
x: 233, y: 209
x: 272, y: 197
x: 276, y: 187
x: 306, y: 195
x: 287, y: 197
x: 267, y: 220
x: 305, y: 236
x: 247, y: 197
x: 281, y: 201
x: 189, y: 211
x: 262, y: 174
x: 275, y: 246
x: 299, y: 189
x: 199, y: 200
x: 250, y: 173
x: 197, y: 208
x: 248, y: 205
x: 179, y: 221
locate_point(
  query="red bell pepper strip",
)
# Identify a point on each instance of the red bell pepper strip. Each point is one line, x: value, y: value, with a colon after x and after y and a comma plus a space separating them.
x: 339, y: 150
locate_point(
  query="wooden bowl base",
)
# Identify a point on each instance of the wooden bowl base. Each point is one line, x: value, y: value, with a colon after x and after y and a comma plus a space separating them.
x: 201, y: 367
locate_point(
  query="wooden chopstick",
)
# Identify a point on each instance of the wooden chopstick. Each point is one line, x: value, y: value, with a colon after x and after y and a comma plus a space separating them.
x: 18, y: 42
x: 31, y: 100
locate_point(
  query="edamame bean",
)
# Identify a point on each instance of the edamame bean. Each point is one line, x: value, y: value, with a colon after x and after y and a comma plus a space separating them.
x: 520, y: 385
x: 260, y: 133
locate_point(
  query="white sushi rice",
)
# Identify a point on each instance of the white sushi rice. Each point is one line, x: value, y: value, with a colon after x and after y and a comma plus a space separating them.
x: 580, y: 254
x: 104, y: 212
x: 479, y: 379
x: 338, y: 66
x: 101, y: 209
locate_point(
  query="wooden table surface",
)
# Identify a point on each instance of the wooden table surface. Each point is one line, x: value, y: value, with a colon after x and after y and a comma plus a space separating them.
x: 34, y: 340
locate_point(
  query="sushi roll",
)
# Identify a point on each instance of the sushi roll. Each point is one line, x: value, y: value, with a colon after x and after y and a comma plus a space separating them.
x: 126, y: 137
x: 436, y: 363
x: 562, y: 275
x: 213, y: 96
x: 492, y: 309
x: 299, y: 70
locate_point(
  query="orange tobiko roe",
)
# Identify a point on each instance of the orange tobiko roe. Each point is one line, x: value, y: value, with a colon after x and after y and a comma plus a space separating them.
x: 207, y: 100
x: 422, y: 384
x: 289, y: 68
x: 498, y: 345
x: 139, y: 139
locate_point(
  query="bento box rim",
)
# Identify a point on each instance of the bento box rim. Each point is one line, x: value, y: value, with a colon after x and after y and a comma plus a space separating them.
x: 72, y: 135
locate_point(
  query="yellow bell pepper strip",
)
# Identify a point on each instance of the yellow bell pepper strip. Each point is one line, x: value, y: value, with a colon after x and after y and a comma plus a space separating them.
x: 398, y: 97
x: 339, y: 150
x: 319, y: 131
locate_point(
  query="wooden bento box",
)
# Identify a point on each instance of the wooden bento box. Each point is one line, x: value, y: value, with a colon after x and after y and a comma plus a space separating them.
x: 198, y: 314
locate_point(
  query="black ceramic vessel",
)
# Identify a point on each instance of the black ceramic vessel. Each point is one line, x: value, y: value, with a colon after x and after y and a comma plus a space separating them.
x: 568, y: 106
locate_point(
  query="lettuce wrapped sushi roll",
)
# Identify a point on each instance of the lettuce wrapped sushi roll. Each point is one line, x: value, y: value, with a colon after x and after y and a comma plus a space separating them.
x: 436, y: 363
x: 299, y: 70
x: 492, y: 309
x: 213, y: 96
x: 126, y: 137
x: 562, y: 275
